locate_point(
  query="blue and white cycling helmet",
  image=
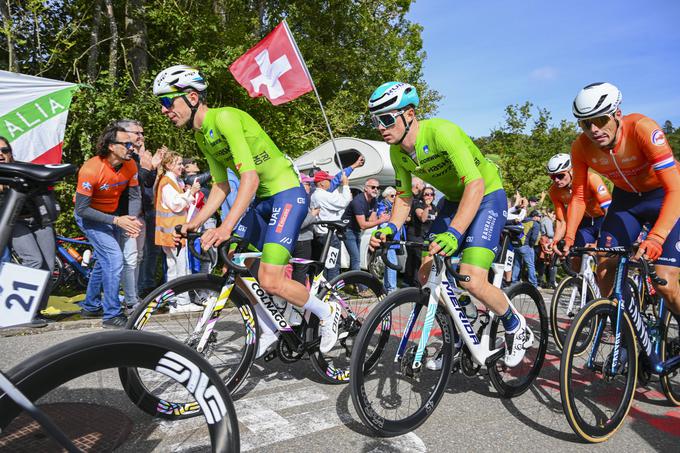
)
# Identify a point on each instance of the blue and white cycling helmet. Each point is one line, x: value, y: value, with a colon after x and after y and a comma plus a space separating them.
x: 392, y: 96
x: 178, y: 78
x: 596, y: 99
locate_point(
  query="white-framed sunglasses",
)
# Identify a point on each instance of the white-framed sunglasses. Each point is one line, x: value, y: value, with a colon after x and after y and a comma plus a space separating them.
x: 385, y: 120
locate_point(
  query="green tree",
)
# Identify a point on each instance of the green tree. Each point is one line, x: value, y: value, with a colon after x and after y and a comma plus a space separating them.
x: 524, y: 144
x: 117, y: 47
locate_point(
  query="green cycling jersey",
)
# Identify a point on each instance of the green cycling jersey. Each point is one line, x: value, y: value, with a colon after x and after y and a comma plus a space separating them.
x: 444, y: 157
x: 230, y: 138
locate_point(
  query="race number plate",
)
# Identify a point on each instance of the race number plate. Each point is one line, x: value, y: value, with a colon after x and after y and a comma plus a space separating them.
x: 333, y: 255
x: 21, y: 289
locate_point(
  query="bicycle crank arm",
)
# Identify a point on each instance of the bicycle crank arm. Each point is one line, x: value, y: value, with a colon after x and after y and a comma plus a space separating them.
x: 493, y: 358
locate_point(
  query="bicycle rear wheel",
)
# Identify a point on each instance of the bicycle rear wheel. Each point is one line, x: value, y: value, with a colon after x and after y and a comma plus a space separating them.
x: 596, y: 396
x: 333, y: 366
x: 390, y: 397
x: 670, y: 347
x: 569, y: 292
x: 230, y: 347
x: 513, y: 381
x: 59, y: 364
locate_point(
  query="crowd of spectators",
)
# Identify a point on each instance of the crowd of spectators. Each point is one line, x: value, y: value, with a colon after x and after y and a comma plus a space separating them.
x: 128, y: 201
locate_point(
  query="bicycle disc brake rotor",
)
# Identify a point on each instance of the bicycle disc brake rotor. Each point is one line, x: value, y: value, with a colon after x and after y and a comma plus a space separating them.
x: 209, y: 347
x: 407, y: 362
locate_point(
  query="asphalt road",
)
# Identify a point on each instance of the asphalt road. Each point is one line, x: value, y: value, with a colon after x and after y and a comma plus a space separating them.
x: 285, y: 408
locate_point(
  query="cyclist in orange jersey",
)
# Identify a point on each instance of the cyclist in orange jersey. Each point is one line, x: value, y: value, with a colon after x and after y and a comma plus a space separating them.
x: 597, y: 199
x: 631, y: 151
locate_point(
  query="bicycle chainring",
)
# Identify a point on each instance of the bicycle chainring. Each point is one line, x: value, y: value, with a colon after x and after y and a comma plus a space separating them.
x: 286, y: 354
x: 467, y: 366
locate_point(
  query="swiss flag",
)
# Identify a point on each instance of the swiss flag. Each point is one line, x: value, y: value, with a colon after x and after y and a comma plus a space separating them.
x: 273, y: 68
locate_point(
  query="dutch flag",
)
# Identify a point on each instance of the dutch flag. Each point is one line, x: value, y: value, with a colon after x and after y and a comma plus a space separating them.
x: 662, y: 162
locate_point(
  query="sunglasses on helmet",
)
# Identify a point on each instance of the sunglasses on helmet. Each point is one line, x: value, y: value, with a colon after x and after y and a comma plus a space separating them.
x: 169, y: 99
x: 598, y: 121
x: 385, y: 120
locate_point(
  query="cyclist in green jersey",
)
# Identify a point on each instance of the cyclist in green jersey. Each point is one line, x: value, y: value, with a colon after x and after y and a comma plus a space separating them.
x: 472, y: 212
x: 230, y: 138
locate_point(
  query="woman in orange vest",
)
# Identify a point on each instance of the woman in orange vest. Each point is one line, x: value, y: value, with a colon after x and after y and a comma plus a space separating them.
x: 173, y: 200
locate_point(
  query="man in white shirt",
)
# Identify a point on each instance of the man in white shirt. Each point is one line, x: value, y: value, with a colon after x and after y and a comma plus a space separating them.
x: 331, y: 206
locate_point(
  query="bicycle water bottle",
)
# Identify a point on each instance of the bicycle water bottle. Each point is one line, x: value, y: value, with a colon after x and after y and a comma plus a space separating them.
x: 87, y: 255
x: 470, y: 309
x: 74, y: 253
x: 292, y: 316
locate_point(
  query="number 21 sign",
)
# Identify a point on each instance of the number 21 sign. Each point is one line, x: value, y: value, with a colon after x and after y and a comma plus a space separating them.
x: 21, y: 289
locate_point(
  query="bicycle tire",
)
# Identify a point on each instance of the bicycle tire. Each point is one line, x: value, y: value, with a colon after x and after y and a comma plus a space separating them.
x: 334, y: 366
x: 57, y: 274
x: 61, y: 363
x: 387, y: 314
x: 231, y: 348
x: 511, y: 382
x: 670, y: 347
x: 610, y: 395
x: 559, y: 325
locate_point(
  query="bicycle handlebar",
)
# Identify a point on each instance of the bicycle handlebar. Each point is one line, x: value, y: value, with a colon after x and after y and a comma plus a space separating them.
x: 382, y: 250
x: 222, y: 250
x: 649, y: 268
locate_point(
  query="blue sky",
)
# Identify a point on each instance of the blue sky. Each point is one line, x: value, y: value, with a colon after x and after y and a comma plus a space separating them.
x: 485, y: 55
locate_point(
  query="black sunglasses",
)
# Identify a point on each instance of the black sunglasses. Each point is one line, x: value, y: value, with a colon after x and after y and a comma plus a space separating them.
x: 599, y: 122
x: 558, y: 177
x: 372, y: 187
x: 128, y: 145
x: 6, y: 150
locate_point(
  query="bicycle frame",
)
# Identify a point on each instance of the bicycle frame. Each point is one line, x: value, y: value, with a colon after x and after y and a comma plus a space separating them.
x: 441, y: 290
x: 61, y: 250
x: 255, y: 294
x: 650, y: 349
x: 588, y: 278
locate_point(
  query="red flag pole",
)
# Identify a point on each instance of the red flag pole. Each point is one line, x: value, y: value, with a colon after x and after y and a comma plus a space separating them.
x: 309, y: 76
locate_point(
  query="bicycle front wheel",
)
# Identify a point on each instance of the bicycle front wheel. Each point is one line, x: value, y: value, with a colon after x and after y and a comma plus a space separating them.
x: 44, y: 372
x: 597, y: 390
x: 333, y: 366
x: 670, y: 347
x: 513, y: 381
x: 565, y: 305
x: 230, y: 346
x: 392, y: 397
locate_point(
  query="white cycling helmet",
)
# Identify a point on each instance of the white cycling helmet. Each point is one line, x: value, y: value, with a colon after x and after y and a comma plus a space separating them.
x: 596, y: 99
x: 392, y: 96
x: 178, y: 78
x: 559, y: 163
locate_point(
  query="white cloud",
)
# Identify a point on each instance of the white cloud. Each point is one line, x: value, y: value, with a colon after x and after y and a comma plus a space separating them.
x: 544, y: 73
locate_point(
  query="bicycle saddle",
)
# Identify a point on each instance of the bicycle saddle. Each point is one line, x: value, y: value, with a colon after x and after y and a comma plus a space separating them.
x: 339, y: 225
x: 513, y: 230
x: 41, y: 174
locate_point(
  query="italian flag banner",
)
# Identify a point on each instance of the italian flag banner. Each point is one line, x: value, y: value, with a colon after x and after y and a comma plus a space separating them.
x: 33, y: 113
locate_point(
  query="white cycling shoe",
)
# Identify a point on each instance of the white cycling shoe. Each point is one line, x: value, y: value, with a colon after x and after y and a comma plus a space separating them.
x: 328, y: 329
x: 517, y: 343
x: 266, y: 343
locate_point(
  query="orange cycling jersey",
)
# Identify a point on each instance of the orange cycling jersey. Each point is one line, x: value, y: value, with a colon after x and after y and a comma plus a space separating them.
x: 101, y: 182
x: 640, y: 161
x: 597, y: 198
